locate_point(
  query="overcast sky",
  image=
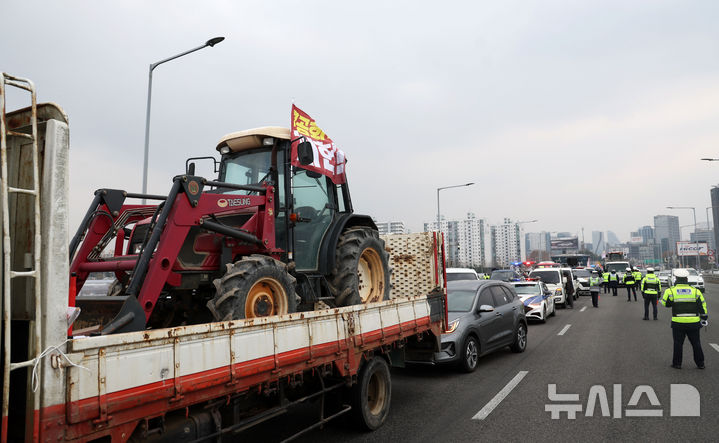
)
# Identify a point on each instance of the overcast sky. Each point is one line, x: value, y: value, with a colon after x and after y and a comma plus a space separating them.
x: 579, y: 114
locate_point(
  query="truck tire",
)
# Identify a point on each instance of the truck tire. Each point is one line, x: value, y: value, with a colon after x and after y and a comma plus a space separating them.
x: 372, y: 394
x: 361, y: 270
x: 255, y: 286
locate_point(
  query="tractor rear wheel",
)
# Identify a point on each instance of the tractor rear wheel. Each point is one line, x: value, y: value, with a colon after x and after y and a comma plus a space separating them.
x: 361, y: 271
x: 256, y: 286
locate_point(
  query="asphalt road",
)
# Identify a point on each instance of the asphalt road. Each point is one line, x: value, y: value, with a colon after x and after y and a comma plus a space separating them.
x: 604, y: 349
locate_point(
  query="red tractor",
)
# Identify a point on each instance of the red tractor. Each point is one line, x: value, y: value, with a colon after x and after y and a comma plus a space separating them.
x: 268, y: 237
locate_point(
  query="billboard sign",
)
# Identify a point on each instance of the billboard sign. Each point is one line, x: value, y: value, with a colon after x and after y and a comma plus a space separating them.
x: 688, y: 248
x: 565, y: 243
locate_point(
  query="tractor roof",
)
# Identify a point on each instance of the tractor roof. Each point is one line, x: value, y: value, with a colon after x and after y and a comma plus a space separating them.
x: 252, y: 138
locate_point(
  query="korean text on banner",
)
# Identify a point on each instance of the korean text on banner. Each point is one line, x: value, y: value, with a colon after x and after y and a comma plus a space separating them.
x: 328, y: 159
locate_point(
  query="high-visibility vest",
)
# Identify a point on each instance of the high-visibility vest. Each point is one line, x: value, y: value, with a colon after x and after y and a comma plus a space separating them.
x: 613, y: 277
x: 605, y: 276
x: 637, y: 276
x: 687, y: 303
x: 628, y: 278
x: 593, y: 281
x: 651, y: 285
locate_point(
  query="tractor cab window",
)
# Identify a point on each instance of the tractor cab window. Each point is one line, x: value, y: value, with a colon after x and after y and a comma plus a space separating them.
x: 313, y: 204
x: 246, y: 168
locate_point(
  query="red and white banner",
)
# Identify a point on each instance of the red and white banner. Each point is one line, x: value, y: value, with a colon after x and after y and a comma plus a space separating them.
x: 328, y: 159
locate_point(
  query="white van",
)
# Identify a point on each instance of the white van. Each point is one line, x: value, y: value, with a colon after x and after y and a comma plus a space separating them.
x: 552, y: 277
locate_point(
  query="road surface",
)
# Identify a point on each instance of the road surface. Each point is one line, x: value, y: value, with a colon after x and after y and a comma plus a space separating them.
x: 605, y: 350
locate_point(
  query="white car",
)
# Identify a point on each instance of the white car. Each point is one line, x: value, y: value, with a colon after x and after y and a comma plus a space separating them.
x: 552, y: 277
x: 695, y: 279
x: 664, y: 277
x: 582, y: 276
x: 461, y: 274
x: 537, y: 298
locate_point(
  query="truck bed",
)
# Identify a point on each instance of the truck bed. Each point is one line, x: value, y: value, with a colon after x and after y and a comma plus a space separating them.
x: 121, y: 379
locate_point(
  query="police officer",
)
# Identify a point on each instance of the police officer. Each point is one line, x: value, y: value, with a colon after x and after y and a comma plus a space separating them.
x: 628, y: 281
x: 689, y: 311
x: 605, y: 281
x: 651, y: 288
x: 594, y: 282
x: 637, y: 278
x: 614, y: 282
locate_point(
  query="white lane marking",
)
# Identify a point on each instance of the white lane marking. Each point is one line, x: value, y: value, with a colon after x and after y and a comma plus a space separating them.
x: 583, y: 309
x: 501, y: 395
x: 564, y: 329
x: 715, y: 346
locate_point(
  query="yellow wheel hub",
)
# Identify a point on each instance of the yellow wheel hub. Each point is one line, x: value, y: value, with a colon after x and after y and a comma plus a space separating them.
x: 266, y: 297
x: 370, y: 276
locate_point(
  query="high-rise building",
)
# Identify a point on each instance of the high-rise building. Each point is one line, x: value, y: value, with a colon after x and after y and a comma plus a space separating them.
x: 537, y: 241
x: 599, y: 241
x: 612, y: 239
x: 703, y: 235
x: 714, y: 193
x: 391, y: 227
x: 647, y: 234
x: 666, y: 233
x: 506, y: 244
x: 466, y: 241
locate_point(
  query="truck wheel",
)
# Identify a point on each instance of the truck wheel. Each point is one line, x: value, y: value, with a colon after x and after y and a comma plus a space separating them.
x: 361, y: 271
x: 256, y: 286
x: 372, y: 394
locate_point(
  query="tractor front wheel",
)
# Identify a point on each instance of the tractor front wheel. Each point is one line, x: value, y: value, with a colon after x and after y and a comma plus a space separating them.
x: 256, y: 286
x: 361, y: 272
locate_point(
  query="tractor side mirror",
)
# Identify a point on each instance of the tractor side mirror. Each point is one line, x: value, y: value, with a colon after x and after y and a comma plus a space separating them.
x: 304, y: 153
x: 191, y: 169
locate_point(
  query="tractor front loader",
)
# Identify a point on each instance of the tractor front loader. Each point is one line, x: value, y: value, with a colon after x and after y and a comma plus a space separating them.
x: 265, y: 238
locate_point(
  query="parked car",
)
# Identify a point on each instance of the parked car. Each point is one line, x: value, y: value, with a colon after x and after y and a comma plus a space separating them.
x: 582, y: 276
x: 461, y: 274
x: 554, y: 280
x: 695, y: 279
x: 507, y: 275
x: 664, y: 277
x: 537, y: 299
x: 483, y: 316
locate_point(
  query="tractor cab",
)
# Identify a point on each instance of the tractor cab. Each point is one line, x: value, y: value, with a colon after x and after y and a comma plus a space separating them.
x: 306, y: 203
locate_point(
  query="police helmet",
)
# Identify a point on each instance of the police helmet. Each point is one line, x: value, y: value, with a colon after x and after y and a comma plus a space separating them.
x: 650, y: 270
x: 629, y: 269
x: 595, y: 272
x: 681, y: 273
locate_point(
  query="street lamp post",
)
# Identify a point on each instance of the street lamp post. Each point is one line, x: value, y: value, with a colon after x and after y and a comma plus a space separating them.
x: 211, y: 42
x: 439, y: 229
x: 694, y: 212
